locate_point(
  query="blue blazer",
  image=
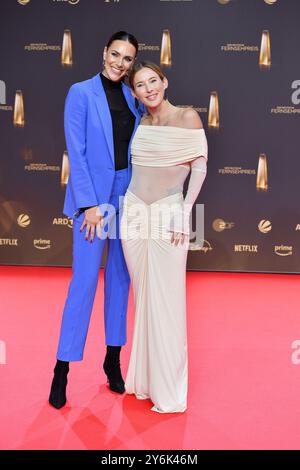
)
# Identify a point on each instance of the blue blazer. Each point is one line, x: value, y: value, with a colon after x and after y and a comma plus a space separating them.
x: 89, y: 138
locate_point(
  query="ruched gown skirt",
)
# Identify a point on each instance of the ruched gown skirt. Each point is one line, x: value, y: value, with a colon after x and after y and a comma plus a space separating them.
x: 158, y: 362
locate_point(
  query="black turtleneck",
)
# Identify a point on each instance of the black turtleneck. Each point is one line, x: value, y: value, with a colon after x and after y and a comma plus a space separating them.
x: 122, y: 120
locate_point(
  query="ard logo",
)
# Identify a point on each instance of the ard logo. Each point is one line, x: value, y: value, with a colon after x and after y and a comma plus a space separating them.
x: 66, y: 221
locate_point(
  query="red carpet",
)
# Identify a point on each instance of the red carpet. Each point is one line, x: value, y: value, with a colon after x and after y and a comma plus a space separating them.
x: 244, y: 381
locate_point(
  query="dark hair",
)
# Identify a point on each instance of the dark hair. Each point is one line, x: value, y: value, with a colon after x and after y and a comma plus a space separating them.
x: 145, y: 64
x: 124, y: 36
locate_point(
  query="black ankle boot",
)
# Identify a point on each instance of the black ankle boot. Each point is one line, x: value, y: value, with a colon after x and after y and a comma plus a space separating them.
x: 57, y: 396
x: 112, y: 369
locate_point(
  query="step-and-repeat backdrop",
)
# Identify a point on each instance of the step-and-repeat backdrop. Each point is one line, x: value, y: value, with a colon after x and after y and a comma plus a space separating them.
x: 235, y: 61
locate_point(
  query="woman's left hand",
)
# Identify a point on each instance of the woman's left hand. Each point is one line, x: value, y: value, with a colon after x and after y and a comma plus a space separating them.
x: 178, y: 237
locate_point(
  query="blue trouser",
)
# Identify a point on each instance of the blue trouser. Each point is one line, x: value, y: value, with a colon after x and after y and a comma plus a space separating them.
x: 86, y: 265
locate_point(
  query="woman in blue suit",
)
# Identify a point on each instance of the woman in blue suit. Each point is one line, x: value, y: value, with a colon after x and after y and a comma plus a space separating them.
x: 100, y: 120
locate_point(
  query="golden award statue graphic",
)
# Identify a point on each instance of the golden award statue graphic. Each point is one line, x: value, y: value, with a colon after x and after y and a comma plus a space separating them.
x: 66, y: 53
x: 165, y: 51
x: 19, y: 120
x: 65, y: 169
x: 213, y: 112
x: 265, y: 51
x: 262, y: 173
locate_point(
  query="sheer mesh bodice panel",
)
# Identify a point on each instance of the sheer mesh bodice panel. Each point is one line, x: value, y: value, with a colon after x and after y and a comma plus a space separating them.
x: 153, y: 183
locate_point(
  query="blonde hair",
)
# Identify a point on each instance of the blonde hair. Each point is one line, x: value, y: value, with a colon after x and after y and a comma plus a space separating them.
x: 141, y: 65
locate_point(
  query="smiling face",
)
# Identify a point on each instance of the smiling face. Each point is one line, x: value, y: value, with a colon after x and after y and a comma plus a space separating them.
x: 118, y: 59
x: 149, y: 87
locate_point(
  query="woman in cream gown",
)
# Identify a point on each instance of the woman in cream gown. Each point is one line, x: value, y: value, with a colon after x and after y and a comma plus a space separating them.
x: 168, y: 145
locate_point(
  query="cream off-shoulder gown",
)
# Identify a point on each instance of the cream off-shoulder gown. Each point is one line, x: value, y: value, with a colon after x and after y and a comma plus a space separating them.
x: 162, y: 157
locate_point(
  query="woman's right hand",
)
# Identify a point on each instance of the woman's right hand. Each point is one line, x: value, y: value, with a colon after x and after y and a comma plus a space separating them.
x: 93, y: 220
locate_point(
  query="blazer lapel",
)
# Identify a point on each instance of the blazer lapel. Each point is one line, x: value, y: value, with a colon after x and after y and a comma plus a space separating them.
x: 131, y: 103
x: 130, y: 100
x: 104, y: 114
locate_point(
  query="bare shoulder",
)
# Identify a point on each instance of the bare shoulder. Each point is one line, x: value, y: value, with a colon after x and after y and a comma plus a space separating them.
x: 191, y: 119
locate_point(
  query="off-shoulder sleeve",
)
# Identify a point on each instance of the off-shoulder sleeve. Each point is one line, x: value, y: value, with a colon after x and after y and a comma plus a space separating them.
x: 197, y: 177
